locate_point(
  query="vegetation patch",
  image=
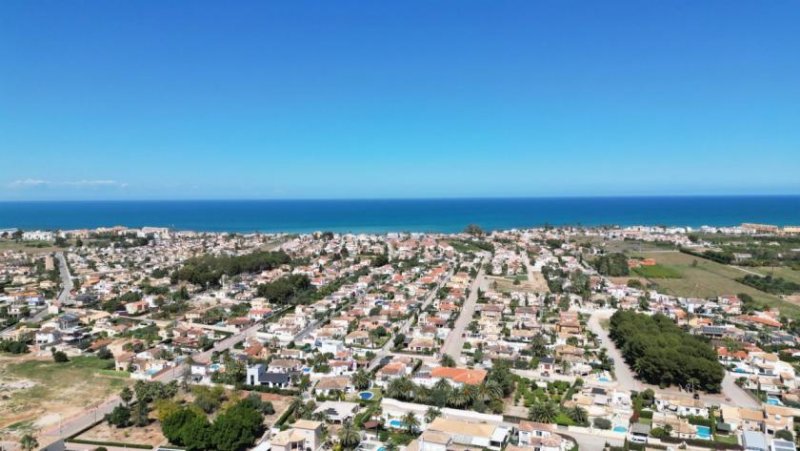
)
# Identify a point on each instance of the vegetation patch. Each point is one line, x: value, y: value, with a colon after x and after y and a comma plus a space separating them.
x: 661, y: 353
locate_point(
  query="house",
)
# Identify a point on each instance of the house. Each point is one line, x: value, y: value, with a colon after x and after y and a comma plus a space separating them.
x: 285, y: 366
x: 473, y: 435
x: 754, y: 441
x: 782, y: 445
x: 459, y: 376
x: 304, y: 435
x: 329, y: 385
x: 47, y: 336
x: 258, y: 375
x: 681, y: 405
x: 639, y: 433
x: 540, y: 436
x: 431, y: 441
x: 68, y: 321
x: 338, y: 412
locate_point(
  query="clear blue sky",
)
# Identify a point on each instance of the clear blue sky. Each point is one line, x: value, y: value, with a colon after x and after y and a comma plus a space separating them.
x: 331, y: 99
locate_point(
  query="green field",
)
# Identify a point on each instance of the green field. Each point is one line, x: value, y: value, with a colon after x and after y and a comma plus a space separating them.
x: 657, y: 272
x: 778, y: 271
x: 704, y: 278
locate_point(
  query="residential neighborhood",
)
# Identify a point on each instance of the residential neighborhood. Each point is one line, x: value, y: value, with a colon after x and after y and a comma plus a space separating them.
x: 520, y: 340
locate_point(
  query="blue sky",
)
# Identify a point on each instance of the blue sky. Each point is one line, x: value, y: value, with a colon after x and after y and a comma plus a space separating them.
x: 333, y: 99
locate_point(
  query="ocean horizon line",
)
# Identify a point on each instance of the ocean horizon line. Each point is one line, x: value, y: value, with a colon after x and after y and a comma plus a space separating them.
x: 414, y: 199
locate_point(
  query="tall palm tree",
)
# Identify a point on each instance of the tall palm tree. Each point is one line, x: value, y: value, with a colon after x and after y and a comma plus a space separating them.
x: 543, y: 412
x: 411, y: 422
x: 349, y: 436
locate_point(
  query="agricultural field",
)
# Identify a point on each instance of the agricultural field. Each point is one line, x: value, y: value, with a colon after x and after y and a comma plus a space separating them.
x: 699, y: 277
x: 35, y: 392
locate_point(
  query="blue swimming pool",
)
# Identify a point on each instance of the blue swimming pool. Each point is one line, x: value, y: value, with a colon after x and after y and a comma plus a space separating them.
x: 397, y: 424
x: 773, y: 401
x: 704, y: 432
x: 620, y: 428
x: 366, y: 395
x: 604, y: 379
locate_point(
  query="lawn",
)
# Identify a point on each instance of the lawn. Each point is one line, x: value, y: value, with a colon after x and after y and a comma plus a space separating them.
x: 705, y: 278
x: 41, y: 390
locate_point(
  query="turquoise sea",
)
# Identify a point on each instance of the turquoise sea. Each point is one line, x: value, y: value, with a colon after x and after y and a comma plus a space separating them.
x: 421, y: 215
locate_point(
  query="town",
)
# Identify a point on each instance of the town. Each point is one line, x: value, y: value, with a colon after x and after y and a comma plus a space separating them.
x: 541, y: 339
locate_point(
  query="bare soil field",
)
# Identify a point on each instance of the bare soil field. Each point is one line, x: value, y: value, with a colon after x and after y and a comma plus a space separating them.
x: 147, y: 435
x: 36, y: 392
x: 506, y: 285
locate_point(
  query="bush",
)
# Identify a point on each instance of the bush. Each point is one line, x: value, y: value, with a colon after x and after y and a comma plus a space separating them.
x: 60, y: 357
x: 785, y: 435
x: 119, y: 417
x: 602, y: 423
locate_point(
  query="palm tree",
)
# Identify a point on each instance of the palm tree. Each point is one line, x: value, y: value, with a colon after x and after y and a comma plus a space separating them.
x: 459, y: 398
x: 543, y: 412
x: 361, y: 380
x: 390, y: 446
x: 401, y: 388
x: 578, y: 415
x: 411, y: 422
x: 432, y: 414
x: 349, y: 436
x: 490, y: 390
x: 28, y: 442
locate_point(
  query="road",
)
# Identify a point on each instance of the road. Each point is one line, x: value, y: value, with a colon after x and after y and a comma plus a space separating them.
x: 454, y: 343
x: 66, y: 278
x: 385, y: 350
x: 625, y: 377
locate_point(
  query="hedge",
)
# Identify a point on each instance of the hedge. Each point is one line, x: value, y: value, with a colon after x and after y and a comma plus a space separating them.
x: 118, y: 444
x: 702, y: 443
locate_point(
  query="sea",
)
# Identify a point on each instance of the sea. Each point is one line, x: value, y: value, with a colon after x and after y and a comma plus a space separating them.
x: 400, y: 215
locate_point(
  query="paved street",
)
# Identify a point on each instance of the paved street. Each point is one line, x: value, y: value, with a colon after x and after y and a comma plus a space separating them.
x: 66, y: 278
x: 454, y: 343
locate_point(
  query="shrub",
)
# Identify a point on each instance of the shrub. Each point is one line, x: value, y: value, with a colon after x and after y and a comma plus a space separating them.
x: 602, y: 423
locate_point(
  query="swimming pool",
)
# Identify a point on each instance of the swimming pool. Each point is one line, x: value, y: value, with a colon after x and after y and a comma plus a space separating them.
x: 773, y: 401
x: 704, y: 432
x: 366, y: 395
x: 397, y: 424
x: 620, y: 428
x: 604, y: 379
